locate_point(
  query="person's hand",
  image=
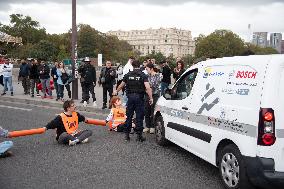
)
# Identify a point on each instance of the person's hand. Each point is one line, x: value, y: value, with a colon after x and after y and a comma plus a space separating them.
x: 94, y: 84
x: 151, y: 101
x: 114, y: 93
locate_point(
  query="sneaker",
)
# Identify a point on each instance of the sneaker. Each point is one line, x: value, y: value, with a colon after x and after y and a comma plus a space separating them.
x: 152, y: 130
x: 94, y: 104
x: 3, y: 132
x: 3, y: 93
x: 82, y: 101
x: 73, y: 142
x: 85, y: 103
x: 104, y: 107
x: 12, y: 94
x: 32, y: 95
x: 85, y: 140
x: 146, y: 130
x: 38, y: 95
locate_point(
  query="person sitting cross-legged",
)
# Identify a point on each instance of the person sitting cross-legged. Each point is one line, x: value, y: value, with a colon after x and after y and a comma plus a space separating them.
x: 67, y: 126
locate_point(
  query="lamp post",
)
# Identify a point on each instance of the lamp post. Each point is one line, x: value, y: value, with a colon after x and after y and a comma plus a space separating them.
x: 74, y: 52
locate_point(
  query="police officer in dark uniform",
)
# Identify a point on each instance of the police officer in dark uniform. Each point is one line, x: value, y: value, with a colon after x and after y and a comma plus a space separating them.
x: 136, y: 85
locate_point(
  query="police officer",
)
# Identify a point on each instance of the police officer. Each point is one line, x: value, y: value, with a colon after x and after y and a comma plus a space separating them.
x: 136, y: 84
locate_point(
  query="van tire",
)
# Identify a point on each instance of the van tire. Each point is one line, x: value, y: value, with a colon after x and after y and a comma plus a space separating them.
x: 160, y: 132
x: 231, y: 152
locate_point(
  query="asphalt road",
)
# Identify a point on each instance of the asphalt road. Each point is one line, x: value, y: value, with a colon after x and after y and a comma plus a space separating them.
x: 107, y: 161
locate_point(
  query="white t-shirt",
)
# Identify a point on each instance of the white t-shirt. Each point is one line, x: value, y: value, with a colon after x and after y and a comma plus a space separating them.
x: 1, y: 69
x: 127, y: 68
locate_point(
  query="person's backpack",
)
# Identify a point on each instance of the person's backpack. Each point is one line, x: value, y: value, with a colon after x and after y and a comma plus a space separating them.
x: 64, y: 78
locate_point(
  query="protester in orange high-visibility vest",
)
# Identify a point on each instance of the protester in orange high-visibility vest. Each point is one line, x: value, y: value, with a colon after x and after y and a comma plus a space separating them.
x: 67, y: 126
x: 117, y: 115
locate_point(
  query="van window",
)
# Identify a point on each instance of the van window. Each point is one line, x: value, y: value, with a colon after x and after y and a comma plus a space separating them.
x: 183, y: 87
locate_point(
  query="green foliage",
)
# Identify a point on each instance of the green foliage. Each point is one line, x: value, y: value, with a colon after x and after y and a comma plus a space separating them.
x: 220, y: 43
x: 253, y: 49
x: 45, y: 50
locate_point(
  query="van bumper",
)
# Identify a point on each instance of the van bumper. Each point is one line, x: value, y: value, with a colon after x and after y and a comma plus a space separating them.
x: 261, y: 172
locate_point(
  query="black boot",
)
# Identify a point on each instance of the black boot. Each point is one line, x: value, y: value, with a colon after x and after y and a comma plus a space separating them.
x: 140, y: 138
x: 126, y: 137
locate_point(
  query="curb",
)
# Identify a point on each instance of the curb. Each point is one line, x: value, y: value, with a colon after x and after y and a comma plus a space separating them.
x: 50, y: 103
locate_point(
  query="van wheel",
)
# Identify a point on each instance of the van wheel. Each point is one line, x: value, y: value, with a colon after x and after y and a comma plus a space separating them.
x: 160, y: 131
x: 232, y: 169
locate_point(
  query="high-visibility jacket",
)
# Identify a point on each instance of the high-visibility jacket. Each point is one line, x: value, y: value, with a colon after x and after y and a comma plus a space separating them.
x: 118, y: 116
x: 71, y: 124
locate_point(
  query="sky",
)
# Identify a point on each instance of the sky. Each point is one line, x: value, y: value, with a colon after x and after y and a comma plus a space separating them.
x: 198, y: 16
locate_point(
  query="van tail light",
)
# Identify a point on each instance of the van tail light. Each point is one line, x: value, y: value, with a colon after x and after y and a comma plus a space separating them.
x: 266, y: 127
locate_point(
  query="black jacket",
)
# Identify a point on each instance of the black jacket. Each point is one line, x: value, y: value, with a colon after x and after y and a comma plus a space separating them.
x: 24, y: 70
x: 34, y: 72
x: 44, y: 71
x: 88, y: 73
x: 166, y: 72
x: 109, y: 74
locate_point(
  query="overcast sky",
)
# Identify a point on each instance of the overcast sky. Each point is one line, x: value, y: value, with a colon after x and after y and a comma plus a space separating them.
x: 198, y: 16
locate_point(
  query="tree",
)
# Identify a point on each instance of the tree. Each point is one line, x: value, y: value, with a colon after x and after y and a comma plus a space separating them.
x: 218, y: 44
x: 24, y: 27
x: 45, y: 50
x: 253, y: 49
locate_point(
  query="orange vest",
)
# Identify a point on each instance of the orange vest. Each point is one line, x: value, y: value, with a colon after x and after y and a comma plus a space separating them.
x: 70, y: 123
x: 118, y: 116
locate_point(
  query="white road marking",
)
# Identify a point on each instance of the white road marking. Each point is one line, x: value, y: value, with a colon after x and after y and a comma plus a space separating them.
x: 16, y: 108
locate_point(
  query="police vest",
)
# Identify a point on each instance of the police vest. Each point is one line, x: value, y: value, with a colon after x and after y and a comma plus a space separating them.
x: 118, y: 116
x: 135, y: 82
x: 70, y: 123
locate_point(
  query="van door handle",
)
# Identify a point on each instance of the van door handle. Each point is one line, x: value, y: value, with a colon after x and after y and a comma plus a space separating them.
x: 185, y: 108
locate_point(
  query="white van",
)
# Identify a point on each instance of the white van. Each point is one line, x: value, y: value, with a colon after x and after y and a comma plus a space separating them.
x: 230, y: 112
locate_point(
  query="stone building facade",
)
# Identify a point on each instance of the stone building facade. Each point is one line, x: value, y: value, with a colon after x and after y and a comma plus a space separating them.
x: 168, y: 41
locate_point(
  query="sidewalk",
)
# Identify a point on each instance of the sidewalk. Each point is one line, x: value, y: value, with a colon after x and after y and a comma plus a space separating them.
x: 20, y: 97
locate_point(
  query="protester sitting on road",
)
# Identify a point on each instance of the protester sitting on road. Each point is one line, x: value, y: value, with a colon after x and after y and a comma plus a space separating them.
x: 7, y: 77
x: 44, y: 75
x: 67, y: 126
x: 63, y: 77
x: 117, y: 116
x: 6, y: 145
x: 24, y: 76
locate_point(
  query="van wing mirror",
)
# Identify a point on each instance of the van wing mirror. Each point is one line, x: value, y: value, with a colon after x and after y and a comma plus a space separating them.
x: 167, y: 94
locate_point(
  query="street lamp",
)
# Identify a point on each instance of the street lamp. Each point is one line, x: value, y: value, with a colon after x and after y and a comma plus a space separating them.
x: 74, y: 52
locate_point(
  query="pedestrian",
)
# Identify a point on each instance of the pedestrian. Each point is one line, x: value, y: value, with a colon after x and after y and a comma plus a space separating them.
x: 117, y: 115
x: 154, y: 81
x: 178, y: 70
x: 107, y: 80
x: 136, y: 85
x: 67, y: 125
x: 54, y: 78
x: 23, y: 76
x: 44, y: 75
x: 7, y: 77
x: 34, y: 78
x: 2, y: 62
x: 119, y: 73
x: 88, y: 81
x: 62, y: 80
x: 6, y: 145
x: 143, y: 67
x: 166, y: 76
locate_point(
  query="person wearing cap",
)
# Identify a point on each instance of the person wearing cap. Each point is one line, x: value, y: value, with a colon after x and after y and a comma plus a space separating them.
x: 88, y: 81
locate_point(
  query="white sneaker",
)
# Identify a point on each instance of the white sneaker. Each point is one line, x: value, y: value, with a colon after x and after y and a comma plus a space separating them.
x: 73, y: 142
x: 152, y: 130
x: 94, y: 104
x: 85, y: 103
x: 85, y: 140
x: 146, y: 130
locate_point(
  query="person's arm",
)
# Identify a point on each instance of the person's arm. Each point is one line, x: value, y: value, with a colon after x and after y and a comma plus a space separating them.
x: 122, y: 84
x: 149, y: 92
x: 110, y: 116
x: 81, y: 118
x: 94, y: 76
x: 54, y: 123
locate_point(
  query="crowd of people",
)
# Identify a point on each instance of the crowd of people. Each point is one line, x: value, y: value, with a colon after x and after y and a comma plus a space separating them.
x: 141, y: 86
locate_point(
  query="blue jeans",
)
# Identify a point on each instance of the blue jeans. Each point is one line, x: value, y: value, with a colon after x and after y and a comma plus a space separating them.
x: 164, y: 86
x: 46, y: 85
x: 135, y: 103
x: 8, y: 83
x: 4, y: 146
